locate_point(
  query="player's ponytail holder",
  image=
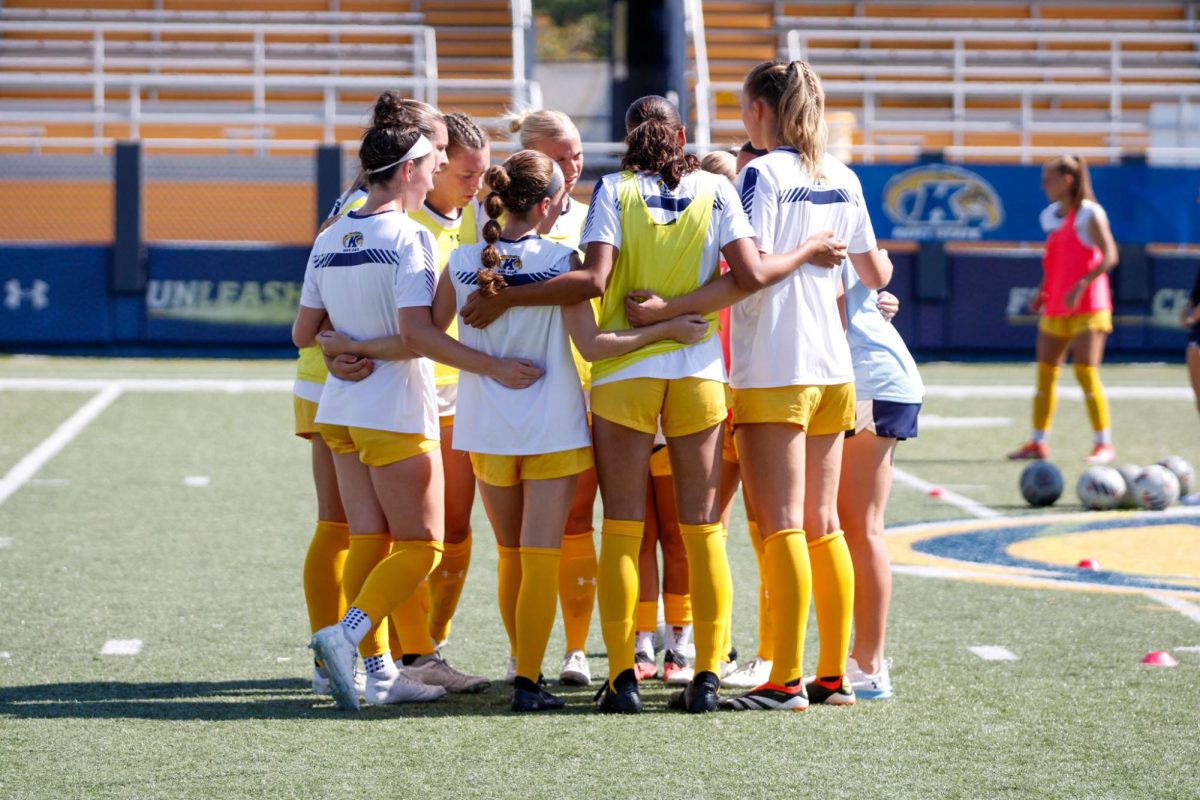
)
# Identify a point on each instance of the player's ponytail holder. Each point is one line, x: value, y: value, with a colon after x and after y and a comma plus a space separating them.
x: 420, y: 148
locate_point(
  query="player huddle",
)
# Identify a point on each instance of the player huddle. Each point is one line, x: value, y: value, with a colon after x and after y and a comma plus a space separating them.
x: 539, y: 349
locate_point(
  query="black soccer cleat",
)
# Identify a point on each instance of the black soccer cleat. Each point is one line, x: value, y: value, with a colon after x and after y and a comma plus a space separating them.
x: 528, y: 696
x: 699, y: 697
x: 620, y: 696
x: 831, y: 691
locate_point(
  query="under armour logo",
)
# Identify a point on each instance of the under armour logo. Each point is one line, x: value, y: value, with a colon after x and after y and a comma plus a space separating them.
x: 38, y: 295
x: 448, y: 574
x: 585, y: 581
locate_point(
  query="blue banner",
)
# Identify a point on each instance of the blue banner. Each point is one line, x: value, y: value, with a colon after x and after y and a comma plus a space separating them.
x: 54, y: 294
x: 1001, y: 203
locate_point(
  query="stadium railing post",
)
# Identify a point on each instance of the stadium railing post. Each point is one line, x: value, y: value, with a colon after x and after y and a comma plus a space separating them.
x: 128, y: 274
x: 328, y: 167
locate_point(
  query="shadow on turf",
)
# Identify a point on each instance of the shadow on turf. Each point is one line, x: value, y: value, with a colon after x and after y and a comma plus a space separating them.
x: 255, y: 699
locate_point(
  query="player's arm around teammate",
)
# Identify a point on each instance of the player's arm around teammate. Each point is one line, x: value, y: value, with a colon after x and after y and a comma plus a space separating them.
x: 383, y: 429
x: 1075, y: 304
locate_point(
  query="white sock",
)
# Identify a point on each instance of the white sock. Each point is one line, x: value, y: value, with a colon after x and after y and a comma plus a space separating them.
x: 380, y: 667
x: 680, y: 638
x: 1104, y: 436
x: 1037, y: 437
x: 356, y: 625
x: 645, y: 643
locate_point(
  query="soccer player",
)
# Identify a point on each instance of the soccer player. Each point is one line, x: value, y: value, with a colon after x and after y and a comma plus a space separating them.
x: 372, y: 273
x: 1075, y: 304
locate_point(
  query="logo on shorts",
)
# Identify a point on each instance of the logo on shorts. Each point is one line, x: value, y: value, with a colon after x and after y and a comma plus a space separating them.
x: 352, y: 241
x: 940, y: 201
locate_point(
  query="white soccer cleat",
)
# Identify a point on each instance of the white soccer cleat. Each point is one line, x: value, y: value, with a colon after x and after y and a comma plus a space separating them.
x: 867, y: 686
x: 338, y: 654
x: 754, y: 672
x: 434, y: 670
x: 727, y: 668
x: 321, y: 685
x: 680, y: 677
x: 575, y: 670
x: 510, y: 672
x: 400, y: 689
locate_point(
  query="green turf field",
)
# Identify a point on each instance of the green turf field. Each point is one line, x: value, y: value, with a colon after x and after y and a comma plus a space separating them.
x: 106, y: 542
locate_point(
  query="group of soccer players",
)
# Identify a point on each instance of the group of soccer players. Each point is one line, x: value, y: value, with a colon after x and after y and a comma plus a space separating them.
x: 540, y: 349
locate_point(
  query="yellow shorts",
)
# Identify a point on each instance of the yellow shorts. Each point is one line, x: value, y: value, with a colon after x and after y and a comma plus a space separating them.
x: 819, y: 410
x: 1070, y: 326
x: 500, y: 470
x: 376, y: 448
x: 306, y: 416
x: 687, y: 405
x: 660, y: 463
x: 446, y: 421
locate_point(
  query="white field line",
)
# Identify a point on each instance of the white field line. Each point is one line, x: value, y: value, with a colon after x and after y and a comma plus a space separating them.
x: 196, y: 481
x: 28, y: 466
x: 992, y: 652
x: 5, y: 541
x: 121, y: 647
x: 1070, y: 392
x: 953, y: 498
x: 1188, y: 609
x: 940, y: 422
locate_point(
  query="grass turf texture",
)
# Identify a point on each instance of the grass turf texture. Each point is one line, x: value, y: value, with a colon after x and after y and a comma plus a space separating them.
x: 217, y: 703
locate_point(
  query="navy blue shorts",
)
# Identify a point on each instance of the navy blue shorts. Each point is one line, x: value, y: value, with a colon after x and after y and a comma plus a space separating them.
x: 887, y: 419
x: 1194, y: 335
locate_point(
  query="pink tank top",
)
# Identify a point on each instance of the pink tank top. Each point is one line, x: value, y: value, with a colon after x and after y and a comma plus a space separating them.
x: 1068, y: 259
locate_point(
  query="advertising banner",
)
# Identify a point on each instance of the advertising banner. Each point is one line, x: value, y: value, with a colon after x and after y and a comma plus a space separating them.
x: 54, y: 294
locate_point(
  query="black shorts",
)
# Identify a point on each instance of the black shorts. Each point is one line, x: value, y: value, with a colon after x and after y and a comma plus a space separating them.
x: 887, y: 419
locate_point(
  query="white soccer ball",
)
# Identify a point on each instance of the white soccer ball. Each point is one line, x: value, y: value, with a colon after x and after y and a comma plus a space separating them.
x: 1041, y: 483
x: 1100, y: 488
x: 1156, y: 487
x: 1183, y: 471
x: 1129, y: 472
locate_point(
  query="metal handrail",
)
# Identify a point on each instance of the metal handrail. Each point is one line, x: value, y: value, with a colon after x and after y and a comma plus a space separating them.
x: 694, y: 25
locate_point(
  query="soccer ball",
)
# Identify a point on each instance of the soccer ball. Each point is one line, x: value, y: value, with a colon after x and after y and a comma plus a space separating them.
x: 1129, y: 472
x: 1156, y: 487
x: 1183, y: 471
x: 1041, y: 484
x: 1100, y: 488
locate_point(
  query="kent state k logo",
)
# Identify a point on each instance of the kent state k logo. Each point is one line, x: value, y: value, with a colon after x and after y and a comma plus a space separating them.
x: 940, y: 201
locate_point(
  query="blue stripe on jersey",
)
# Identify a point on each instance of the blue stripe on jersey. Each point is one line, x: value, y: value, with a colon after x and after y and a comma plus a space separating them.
x: 519, y: 279
x: 668, y: 202
x: 587, y: 221
x: 749, y: 182
x: 430, y: 263
x: 357, y: 258
x: 818, y: 197
x: 430, y: 281
x: 718, y: 203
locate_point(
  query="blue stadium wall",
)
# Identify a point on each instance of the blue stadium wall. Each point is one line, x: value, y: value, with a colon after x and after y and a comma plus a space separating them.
x: 232, y: 299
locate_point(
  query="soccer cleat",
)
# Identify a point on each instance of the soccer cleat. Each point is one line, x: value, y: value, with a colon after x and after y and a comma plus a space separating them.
x: 400, y: 688
x: 869, y: 686
x: 1030, y: 451
x: 754, y: 672
x: 770, y: 697
x: 644, y: 666
x: 1101, y: 454
x: 699, y: 697
x: 833, y: 691
x: 528, y: 696
x: 510, y: 672
x: 338, y: 654
x: 435, y: 670
x: 575, y: 670
x: 619, y: 696
x: 728, y: 668
x: 321, y: 687
x: 676, y: 670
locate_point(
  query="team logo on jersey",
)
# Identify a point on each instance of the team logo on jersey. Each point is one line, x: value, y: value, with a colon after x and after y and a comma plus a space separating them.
x: 352, y: 241
x: 510, y: 265
x: 940, y: 201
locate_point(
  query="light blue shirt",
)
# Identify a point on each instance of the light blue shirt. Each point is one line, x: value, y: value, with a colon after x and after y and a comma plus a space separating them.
x: 883, y: 367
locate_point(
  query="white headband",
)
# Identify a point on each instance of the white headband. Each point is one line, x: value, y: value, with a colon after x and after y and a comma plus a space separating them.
x: 420, y: 148
x: 556, y: 180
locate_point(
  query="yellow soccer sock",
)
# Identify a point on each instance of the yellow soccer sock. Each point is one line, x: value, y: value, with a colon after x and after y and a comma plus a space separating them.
x: 323, y: 574
x: 789, y: 584
x: 446, y: 585
x: 647, y: 616
x: 833, y: 596
x: 766, y: 645
x: 727, y: 643
x: 396, y: 578
x: 617, y: 592
x: 536, y: 605
x: 1094, y: 396
x: 1045, y: 400
x: 410, y: 620
x: 508, y: 585
x: 711, y: 588
x: 677, y: 609
x: 366, y: 551
x: 577, y: 587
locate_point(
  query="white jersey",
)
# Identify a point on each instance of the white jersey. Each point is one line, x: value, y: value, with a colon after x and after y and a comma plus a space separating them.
x: 1088, y: 210
x: 362, y: 269
x: 548, y: 416
x: 728, y: 224
x: 790, y: 334
x: 883, y: 367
